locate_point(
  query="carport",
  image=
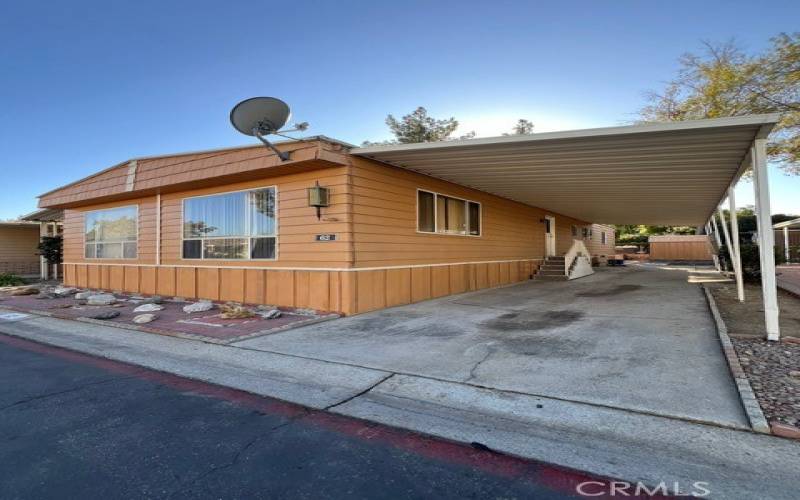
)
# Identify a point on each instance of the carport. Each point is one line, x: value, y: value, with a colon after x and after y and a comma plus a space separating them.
x: 672, y: 173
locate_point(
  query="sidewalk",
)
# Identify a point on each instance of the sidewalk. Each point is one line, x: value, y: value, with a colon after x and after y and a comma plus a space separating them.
x: 788, y: 278
x: 595, y: 439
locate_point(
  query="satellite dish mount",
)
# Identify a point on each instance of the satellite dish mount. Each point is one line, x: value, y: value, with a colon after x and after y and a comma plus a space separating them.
x: 262, y: 116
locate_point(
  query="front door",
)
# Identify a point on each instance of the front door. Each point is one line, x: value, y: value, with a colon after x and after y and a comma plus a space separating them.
x: 549, y: 235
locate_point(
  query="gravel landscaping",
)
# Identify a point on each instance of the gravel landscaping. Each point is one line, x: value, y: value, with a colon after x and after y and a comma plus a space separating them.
x: 773, y: 368
x: 774, y: 372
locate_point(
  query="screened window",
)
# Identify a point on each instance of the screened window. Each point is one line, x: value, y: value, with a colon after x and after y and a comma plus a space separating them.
x: 603, y: 237
x: 437, y: 213
x: 240, y: 225
x: 111, y: 234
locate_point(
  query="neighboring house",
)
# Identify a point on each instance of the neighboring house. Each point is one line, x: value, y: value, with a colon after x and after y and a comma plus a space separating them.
x: 787, y: 239
x: 235, y: 224
x: 601, y: 241
x: 18, y: 248
x: 50, y: 223
x: 681, y: 247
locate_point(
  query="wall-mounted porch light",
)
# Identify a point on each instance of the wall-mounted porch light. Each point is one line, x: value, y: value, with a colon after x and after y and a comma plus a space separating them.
x: 318, y: 197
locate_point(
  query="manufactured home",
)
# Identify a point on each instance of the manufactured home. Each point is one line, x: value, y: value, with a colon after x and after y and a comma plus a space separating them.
x: 327, y: 229
x: 333, y: 227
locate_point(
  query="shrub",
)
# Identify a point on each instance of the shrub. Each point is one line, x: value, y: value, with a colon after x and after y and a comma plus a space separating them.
x: 50, y: 247
x: 640, y: 240
x: 751, y: 262
x: 7, y: 279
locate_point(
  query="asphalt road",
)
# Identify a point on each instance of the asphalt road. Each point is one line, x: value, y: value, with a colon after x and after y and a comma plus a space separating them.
x: 75, y: 426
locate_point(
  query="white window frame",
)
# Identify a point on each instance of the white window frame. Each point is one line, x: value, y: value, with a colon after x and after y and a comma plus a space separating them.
x: 436, y: 214
x: 95, y: 242
x: 248, y: 238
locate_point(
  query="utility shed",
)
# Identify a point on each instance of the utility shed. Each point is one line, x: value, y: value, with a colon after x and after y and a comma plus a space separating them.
x: 681, y: 247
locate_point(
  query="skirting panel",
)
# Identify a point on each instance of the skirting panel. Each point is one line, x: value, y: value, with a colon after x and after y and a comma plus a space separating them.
x: 348, y: 292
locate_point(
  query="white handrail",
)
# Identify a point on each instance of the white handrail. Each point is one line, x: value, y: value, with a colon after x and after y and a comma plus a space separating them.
x: 576, y: 250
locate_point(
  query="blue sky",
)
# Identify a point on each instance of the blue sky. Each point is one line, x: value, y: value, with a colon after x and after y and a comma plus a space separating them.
x: 85, y: 85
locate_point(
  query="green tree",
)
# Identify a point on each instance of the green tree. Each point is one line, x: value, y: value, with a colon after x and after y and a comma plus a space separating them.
x: 723, y: 80
x: 419, y: 127
x: 522, y: 127
x: 643, y: 230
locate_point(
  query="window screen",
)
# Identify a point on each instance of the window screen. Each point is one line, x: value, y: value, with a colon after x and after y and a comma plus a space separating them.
x: 425, y: 212
x: 111, y: 234
x: 437, y: 213
x: 230, y: 226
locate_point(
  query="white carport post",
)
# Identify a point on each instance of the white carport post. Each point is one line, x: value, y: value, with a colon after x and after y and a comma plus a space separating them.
x: 731, y: 250
x: 44, y: 271
x: 716, y: 230
x: 766, y: 238
x: 714, y: 256
x: 735, y: 238
x: 786, y: 243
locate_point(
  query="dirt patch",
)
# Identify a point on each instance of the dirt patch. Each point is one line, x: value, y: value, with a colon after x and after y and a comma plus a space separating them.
x: 771, y: 367
x: 746, y: 319
x: 614, y: 290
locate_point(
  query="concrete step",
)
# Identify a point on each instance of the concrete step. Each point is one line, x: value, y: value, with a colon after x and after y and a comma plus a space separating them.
x: 553, y: 267
x: 552, y: 272
x: 547, y: 277
x: 554, y: 259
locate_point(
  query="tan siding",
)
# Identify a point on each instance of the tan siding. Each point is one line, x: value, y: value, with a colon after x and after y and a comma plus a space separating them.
x: 384, y: 220
x: 595, y: 243
x: 18, y: 253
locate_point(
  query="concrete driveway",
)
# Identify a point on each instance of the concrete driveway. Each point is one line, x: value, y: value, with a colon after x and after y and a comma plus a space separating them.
x: 637, y: 338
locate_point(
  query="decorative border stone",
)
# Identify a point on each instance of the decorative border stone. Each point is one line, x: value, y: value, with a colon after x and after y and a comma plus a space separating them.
x: 748, y: 398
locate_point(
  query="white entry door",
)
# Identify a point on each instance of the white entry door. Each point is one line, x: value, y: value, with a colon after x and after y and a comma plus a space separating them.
x: 549, y: 235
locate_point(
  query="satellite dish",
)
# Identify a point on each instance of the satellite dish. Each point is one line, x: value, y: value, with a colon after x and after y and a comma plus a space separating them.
x: 260, y: 116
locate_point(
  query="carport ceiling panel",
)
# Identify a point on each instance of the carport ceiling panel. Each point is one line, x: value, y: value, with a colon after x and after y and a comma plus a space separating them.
x: 667, y: 177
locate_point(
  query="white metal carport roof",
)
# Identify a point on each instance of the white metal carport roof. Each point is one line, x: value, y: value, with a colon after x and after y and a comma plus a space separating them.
x: 661, y: 174
x: 789, y: 224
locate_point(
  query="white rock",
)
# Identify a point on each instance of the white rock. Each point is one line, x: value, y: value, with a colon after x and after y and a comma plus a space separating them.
x: 271, y: 314
x: 144, y: 318
x: 84, y: 295
x: 101, y: 299
x: 144, y: 308
x: 64, y: 290
x: 203, y: 305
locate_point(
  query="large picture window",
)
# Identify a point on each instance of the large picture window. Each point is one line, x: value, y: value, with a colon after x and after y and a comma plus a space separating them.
x: 437, y: 213
x: 111, y: 233
x: 239, y: 225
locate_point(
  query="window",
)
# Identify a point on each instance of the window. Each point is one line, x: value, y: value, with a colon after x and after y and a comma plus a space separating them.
x: 603, y: 237
x: 111, y: 234
x: 437, y: 213
x: 239, y: 225
x: 574, y: 230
